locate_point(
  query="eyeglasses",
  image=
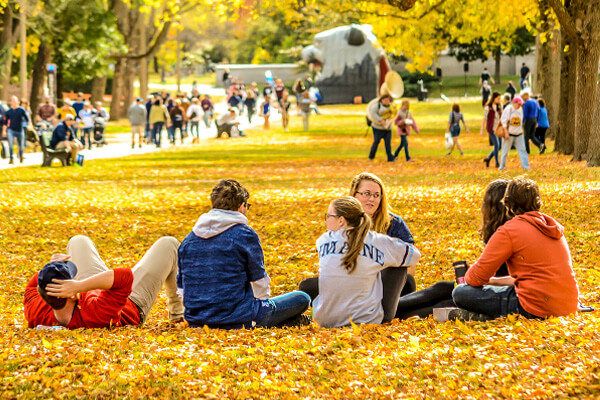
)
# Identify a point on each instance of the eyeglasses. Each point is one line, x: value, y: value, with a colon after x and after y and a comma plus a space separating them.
x: 330, y: 215
x: 248, y: 205
x: 368, y: 194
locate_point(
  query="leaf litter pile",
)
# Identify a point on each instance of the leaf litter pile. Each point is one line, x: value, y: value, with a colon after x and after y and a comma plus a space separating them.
x: 124, y: 205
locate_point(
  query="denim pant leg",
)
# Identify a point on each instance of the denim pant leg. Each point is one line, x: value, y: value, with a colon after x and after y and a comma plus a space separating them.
x: 10, y: 134
x: 17, y: 136
x: 157, y: 133
x: 495, y: 301
x: 378, y: 134
x: 283, y: 307
x: 506, y: 146
x: 387, y: 140
x: 171, y: 133
x: 520, y: 146
x: 404, y: 141
x: 496, y: 143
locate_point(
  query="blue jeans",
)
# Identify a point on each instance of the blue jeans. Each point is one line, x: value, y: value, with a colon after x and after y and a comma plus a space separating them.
x: 207, y: 117
x: 282, y: 308
x: 20, y: 137
x: 497, y: 145
x: 403, y: 145
x: 87, y: 132
x: 519, y: 143
x: 386, y: 135
x: 157, y: 133
x: 194, y: 128
x: 494, y: 301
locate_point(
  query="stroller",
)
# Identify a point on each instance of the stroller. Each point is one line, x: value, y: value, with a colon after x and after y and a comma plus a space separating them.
x: 99, y: 132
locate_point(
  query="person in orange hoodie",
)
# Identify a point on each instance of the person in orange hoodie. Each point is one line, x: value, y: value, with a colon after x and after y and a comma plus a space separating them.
x: 541, y: 282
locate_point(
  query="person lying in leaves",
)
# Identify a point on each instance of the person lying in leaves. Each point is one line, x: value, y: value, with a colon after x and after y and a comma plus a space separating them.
x: 77, y: 290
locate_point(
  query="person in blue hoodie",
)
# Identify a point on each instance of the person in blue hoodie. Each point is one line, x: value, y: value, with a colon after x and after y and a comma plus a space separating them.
x: 222, y: 271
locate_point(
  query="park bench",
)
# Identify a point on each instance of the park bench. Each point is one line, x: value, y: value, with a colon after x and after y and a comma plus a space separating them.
x: 49, y: 154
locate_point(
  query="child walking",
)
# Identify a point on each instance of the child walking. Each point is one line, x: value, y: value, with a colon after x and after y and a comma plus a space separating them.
x: 404, y: 121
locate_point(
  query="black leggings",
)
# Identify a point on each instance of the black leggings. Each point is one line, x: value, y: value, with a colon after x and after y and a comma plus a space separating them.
x: 396, y: 283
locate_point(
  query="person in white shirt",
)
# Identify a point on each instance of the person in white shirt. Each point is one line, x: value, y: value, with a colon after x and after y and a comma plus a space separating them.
x: 351, y: 258
x: 228, y: 123
x: 194, y: 114
x: 512, y: 121
x: 87, y: 119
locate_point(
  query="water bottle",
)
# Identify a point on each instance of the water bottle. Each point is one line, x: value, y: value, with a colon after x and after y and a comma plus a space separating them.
x: 49, y: 328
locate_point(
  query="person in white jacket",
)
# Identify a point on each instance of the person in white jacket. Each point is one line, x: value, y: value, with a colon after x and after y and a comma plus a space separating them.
x: 512, y: 121
x: 351, y: 258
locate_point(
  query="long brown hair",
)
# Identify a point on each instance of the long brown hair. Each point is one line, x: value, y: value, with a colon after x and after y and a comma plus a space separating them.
x: 358, y: 224
x: 493, y: 211
x: 381, y: 218
x: 522, y: 195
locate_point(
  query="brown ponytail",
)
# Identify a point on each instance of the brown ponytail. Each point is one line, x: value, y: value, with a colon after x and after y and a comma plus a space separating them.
x: 358, y: 226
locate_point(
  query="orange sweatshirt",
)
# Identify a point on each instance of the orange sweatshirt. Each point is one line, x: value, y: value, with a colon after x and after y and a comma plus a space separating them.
x: 538, y: 257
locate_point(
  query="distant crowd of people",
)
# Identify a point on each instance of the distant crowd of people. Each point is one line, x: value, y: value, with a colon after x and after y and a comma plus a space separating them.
x: 274, y: 95
x: 72, y: 124
x: 510, y: 120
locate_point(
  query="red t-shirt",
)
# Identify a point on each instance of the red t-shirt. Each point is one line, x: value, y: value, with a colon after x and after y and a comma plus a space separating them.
x: 95, y: 309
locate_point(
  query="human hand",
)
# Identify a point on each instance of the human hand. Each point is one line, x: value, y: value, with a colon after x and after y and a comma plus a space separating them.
x: 63, y: 288
x: 59, y: 257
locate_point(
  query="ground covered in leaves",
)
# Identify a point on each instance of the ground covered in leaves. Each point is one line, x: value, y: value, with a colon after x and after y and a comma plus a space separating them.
x: 125, y: 205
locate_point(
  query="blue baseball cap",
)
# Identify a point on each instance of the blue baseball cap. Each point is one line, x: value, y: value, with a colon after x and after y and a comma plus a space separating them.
x: 56, y: 270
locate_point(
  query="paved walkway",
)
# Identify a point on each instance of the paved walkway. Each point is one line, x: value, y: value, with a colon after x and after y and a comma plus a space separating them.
x: 119, y: 144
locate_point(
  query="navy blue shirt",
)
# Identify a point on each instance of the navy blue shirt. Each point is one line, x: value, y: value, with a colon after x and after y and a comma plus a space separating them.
x: 234, y: 100
x: 398, y: 229
x: 61, y: 133
x: 215, y: 275
x: 14, y: 118
x: 77, y: 107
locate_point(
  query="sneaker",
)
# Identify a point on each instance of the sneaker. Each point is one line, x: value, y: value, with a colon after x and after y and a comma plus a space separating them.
x: 461, y: 314
x: 542, y: 148
x: 299, y: 320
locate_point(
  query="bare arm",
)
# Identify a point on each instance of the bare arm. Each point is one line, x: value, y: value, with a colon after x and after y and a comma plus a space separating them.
x: 502, y: 281
x: 68, y: 288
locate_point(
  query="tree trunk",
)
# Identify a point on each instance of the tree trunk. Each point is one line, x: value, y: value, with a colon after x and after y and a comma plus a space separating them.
x: 143, y: 63
x: 497, y: 67
x: 38, y: 76
x: 548, y: 73
x: 594, y: 147
x: 129, y: 89
x: 6, y: 45
x: 118, y: 89
x: 587, y: 79
x: 561, y: 144
x: 60, y: 85
x: 571, y: 98
x: 98, y: 88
